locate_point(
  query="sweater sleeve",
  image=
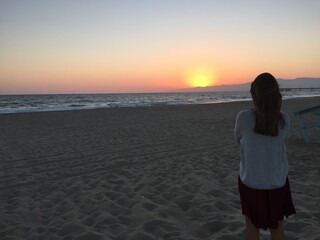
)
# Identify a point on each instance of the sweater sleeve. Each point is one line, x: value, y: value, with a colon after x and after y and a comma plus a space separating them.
x: 287, y: 126
x: 238, y: 129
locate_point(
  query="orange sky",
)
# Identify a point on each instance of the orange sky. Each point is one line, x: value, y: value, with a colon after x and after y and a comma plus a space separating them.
x: 108, y: 46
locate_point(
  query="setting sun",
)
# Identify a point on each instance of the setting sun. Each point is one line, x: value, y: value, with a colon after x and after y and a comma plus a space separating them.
x: 201, y: 81
x: 200, y: 77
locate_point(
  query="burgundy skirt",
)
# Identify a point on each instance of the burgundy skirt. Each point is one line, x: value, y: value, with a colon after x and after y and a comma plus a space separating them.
x: 266, y: 208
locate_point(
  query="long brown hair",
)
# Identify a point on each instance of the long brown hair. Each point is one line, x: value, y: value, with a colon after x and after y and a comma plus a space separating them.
x: 267, y: 101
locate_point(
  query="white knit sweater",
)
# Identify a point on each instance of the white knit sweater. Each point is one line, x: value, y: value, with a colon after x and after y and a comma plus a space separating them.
x: 263, y: 159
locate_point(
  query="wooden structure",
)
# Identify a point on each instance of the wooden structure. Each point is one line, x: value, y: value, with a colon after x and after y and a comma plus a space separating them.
x: 309, y: 124
x: 299, y: 89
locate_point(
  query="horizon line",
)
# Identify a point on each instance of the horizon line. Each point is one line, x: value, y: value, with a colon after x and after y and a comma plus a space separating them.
x: 191, y: 89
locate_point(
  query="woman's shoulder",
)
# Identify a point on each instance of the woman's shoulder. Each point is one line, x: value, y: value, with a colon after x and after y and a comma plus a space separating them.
x: 246, y: 114
x: 284, y: 114
x: 285, y: 117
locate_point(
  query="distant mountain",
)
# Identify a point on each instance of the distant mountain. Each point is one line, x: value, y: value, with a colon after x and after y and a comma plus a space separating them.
x: 283, y: 83
x: 299, y: 83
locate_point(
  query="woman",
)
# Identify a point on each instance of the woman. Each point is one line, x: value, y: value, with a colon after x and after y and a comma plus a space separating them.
x: 262, y: 134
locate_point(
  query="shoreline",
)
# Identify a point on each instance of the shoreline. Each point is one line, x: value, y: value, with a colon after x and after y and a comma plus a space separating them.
x: 150, y: 106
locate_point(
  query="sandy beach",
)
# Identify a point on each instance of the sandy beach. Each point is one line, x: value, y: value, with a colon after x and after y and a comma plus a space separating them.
x: 165, y: 172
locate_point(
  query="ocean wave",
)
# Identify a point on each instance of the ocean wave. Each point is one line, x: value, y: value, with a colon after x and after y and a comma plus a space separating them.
x: 65, y: 102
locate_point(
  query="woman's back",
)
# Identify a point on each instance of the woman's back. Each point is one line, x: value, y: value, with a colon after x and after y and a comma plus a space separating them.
x: 264, y: 163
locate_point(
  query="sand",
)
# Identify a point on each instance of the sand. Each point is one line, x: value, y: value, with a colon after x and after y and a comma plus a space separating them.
x: 166, y: 172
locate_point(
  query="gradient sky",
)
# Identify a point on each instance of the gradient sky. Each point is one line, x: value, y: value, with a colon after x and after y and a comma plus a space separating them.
x: 67, y: 46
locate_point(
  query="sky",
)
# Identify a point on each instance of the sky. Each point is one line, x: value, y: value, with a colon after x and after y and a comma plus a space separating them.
x: 78, y: 46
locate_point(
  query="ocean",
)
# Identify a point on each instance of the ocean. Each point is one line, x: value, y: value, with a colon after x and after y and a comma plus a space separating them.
x: 66, y: 102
